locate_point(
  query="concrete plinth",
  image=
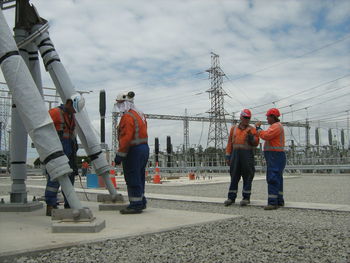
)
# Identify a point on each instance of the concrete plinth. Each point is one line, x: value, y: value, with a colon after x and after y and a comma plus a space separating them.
x: 93, y: 226
x: 109, y: 204
x: 112, y: 206
x: 20, y: 207
x: 75, y: 221
x: 72, y: 214
x: 108, y: 198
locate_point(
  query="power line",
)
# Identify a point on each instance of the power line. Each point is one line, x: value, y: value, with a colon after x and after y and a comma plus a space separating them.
x: 297, y: 57
x: 328, y: 114
x: 307, y: 99
x: 301, y: 92
x: 316, y: 96
x: 322, y: 102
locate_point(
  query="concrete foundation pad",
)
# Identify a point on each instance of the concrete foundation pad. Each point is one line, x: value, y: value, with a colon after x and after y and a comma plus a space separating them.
x: 112, y: 206
x: 108, y: 198
x: 31, y: 232
x: 83, y: 214
x: 96, y: 225
x: 20, y: 207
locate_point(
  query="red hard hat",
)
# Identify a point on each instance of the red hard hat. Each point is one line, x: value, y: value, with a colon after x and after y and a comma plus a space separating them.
x: 246, y: 113
x: 274, y: 112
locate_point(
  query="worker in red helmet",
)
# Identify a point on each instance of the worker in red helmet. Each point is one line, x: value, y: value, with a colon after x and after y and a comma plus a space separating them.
x: 275, y: 157
x: 240, y: 156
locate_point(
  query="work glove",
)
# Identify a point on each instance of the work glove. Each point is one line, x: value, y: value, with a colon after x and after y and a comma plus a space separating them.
x: 118, y: 159
x: 228, y: 159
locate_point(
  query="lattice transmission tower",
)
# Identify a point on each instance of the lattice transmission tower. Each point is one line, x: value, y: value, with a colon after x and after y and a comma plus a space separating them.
x: 218, y: 133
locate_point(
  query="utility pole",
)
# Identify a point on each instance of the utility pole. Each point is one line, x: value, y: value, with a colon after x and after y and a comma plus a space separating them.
x: 186, y: 132
x: 348, y: 129
x: 218, y: 133
x: 186, y: 144
x: 307, y: 137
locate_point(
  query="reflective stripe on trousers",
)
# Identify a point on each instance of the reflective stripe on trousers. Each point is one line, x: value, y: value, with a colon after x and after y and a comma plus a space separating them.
x: 276, y: 162
x: 52, y: 187
x: 134, y: 167
x: 51, y: 191
x: 242, y: 165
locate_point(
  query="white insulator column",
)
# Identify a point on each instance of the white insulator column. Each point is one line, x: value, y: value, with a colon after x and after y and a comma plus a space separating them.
x: 33, y: 112
x: 66, y: 90
x: 19, y: 141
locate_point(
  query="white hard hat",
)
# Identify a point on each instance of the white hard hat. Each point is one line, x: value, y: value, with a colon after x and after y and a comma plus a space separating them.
x: 126, y: 96
x: 78, y: 102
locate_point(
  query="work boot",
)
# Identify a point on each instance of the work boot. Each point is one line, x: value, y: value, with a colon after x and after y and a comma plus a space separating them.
x: 49, y: 209
x: 271, y: 207
x: 129, y: 210
x: 244, y: 202
x: 281, y: 204
x: 229, y: 202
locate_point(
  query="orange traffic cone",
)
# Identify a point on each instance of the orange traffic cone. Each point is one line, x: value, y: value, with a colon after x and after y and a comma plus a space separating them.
x: 113, y: 179
x: 191, y: 176
x: 101, y: 182
x: 156, y: 177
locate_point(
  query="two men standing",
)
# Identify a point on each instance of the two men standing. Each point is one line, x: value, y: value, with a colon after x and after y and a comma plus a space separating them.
x: 240, y: 156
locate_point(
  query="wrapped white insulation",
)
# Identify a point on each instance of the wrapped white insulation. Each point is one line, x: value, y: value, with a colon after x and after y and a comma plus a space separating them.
x: 33, y: 113
x: 19, y: 141
x: 66, y: 90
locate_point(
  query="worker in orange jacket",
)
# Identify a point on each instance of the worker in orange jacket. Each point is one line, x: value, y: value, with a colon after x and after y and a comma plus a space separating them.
x: 133, y: 151
x: 275, y: 158
x: 64, y: 121
x: 84, y: 167
x: 240, y: 156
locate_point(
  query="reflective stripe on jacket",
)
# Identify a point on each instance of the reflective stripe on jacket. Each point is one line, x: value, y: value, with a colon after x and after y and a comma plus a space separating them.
x: 274, y: 137
x: 238, y: 139
x: 64, y: 123
x: 132, y: 130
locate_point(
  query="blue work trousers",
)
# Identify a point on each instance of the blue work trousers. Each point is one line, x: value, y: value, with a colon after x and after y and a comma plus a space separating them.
x: 275, y: 162
x: 134, y: 167
x: 52, y: 190
x: 53, y: 186
x: 242, y: 165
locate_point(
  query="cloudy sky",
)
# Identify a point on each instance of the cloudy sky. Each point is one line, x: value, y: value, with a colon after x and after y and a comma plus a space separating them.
x: 291, y: 54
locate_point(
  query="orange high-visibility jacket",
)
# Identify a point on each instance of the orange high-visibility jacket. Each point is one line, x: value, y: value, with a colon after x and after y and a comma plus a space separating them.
x: 238, y: 139
x: 64, y: 123
x: 132, y: 130
x: 274, y: 137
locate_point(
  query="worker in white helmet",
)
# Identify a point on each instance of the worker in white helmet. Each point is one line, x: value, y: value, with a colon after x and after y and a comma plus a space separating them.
x: 133, y: 151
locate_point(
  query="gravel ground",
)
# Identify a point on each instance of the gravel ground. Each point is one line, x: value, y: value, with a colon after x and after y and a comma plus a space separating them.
x: 329, y: 189
x: 332, y: 189
x: 285, y: 235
